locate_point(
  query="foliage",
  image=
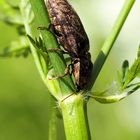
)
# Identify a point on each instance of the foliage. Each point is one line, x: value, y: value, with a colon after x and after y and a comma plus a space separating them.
x: 124, y: 85
x: 12, y: 16
x: 119, y: 89
x: 63, y: 89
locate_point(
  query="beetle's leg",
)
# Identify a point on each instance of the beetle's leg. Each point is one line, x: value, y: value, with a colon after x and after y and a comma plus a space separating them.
x: 56, y: 50
x: 50, y: 26
x: 51, y: 29
x: 67, y: 71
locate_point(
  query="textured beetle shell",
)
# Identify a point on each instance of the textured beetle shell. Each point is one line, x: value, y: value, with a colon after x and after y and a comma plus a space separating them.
x: 72, y: 37
x: 68, y: 27
x: 82, y: 71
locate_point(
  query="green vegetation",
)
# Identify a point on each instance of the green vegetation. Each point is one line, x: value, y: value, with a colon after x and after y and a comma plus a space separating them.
x: 42, y: 110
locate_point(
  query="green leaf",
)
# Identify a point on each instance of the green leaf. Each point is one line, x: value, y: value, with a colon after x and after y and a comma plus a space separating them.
x: 27, y: 13
x: 41, y: 49
x: 127, y: 75
x: 13, y: 4
x: 138, y: 54
x: 134, y: 89
x: 13, y: 20
x: 121, y: 76
x: 17, y: 48
x: 10, y: 13
x: 53, y: 85
x: 9, y: 4
x: 125, y: 84
x: 39, y: 46
x: 109, y: 99
x: 125, y: 67
x: 114, y: 94
x: 132, y: 72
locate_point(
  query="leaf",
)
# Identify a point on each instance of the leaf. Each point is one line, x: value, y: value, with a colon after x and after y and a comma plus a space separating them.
x: 13, y: 4
x: 132, y: 72
x: 110, y: 99
x: 125, y: 67
x: 53, y: 85
x: 121, y: 76
x: 138, y: 53
x: 134, y: 89
x: 123, y: 87
x: 38, y: 44
x: 13, y: 20
x: 42, y: 55
x: 10, y: 13
x: 27, y: 13
x: 17, y: 48
x: 112, y: 96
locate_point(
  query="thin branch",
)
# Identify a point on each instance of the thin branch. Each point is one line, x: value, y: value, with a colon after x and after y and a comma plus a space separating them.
x: 108, y: 44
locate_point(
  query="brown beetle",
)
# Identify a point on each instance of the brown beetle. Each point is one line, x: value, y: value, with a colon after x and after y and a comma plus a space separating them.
x: 72, y: 37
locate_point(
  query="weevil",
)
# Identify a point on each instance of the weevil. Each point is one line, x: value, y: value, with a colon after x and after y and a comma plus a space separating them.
x: 71, y: 35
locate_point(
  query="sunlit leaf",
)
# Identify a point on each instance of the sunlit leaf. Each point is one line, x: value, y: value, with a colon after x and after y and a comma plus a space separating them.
x: 133, y: 72
x: 17, y: 48
x: 14, y: 20
x: 114, y: 94
x: 125, y: 67
x: 121, y: 75
x: 42, y: 54
x: 138, y: 54
x: 13, y: 4
x: 119, y: 78
x: 26, y: 8
x: 38, y: 44
x: 11, y: 14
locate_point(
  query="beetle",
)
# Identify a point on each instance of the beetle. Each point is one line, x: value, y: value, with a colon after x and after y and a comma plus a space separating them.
x: 71, y: 35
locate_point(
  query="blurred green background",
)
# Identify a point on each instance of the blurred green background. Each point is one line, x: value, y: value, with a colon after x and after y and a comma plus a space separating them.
x: 24, y: 105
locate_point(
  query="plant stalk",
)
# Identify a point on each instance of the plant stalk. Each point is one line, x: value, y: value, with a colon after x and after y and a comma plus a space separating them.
x: 57, y: 59
x: 73, y: 107
x: 25, y: 9
x: 75, y: 118
x: 109, y: 42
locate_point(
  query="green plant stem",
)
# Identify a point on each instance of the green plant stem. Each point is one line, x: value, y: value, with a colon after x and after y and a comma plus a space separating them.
x: 74, y: 107
x: 109, y: 42
x: 57, y: 60
x: 75, y: 118
x: 52, y: 134
x: 25, y: 9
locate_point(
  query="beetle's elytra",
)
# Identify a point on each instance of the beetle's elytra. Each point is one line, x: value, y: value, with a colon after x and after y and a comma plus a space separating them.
x: 72, y: 37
